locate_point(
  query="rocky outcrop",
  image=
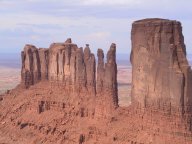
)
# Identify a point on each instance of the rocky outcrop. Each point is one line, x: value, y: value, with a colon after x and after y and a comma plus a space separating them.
x: 44, y: 62
x: 107, y: 74
x: 100, y: 71
x: 110, y: 76
x: 90, y: 65
x: 74, y: 69
x: 162, y: 76
x: 107, y: 91
x: 30, y: 73
x: 80, y: 70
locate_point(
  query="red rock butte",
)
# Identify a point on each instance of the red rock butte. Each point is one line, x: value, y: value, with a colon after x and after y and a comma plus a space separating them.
x: 66, y: 98
x: 162, y: 77
x: 73, y: 69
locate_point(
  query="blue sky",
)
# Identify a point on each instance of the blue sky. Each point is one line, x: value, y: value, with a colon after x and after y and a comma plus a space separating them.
x: 96, y: 22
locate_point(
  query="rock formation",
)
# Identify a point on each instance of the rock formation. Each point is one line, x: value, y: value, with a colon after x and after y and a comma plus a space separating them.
x: 65, y: 97
x: 73, y: 68
x: 107, y: 83
x: 43, y: 57
x: 110, y: 76
x: 100, y: 71
x: 30, y: 73
x: 90, y: 65
x: 162, y: 77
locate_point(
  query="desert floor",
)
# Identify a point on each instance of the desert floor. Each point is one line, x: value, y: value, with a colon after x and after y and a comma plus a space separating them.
x: 9, y: 78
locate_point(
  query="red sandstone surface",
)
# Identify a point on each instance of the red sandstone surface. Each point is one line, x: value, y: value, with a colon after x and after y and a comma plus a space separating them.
x: 64, y: 121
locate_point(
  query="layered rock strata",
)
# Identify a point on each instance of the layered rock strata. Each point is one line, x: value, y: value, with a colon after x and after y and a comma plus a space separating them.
x: 162, y: 77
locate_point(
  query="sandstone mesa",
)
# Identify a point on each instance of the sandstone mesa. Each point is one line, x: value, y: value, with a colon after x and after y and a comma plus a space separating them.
x: 66, y: 96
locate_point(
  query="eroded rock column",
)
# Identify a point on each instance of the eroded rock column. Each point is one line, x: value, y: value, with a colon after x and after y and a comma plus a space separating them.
x: 44, y: 59
x: 90, y: 64
x: 100, y: 71
x: 107, y: 90
x: 30, y: 72
x: 80, y: 71
x: 110, y: 76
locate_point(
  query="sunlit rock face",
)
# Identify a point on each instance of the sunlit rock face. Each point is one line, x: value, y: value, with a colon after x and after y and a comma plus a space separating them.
x: 30, y: 72
x: 162, y: 77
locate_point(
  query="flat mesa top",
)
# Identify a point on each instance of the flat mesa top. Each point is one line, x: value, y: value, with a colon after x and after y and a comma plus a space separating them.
x: 155, y: 21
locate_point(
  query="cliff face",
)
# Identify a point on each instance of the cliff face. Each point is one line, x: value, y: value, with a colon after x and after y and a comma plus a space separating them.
x: 30, y: 72
x: 74, y: 69
x: 162, y: 76
x: 106, y: 83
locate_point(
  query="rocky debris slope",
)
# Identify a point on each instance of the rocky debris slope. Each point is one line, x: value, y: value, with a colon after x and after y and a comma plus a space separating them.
x: 162, y: 77
x: 46, y: 114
